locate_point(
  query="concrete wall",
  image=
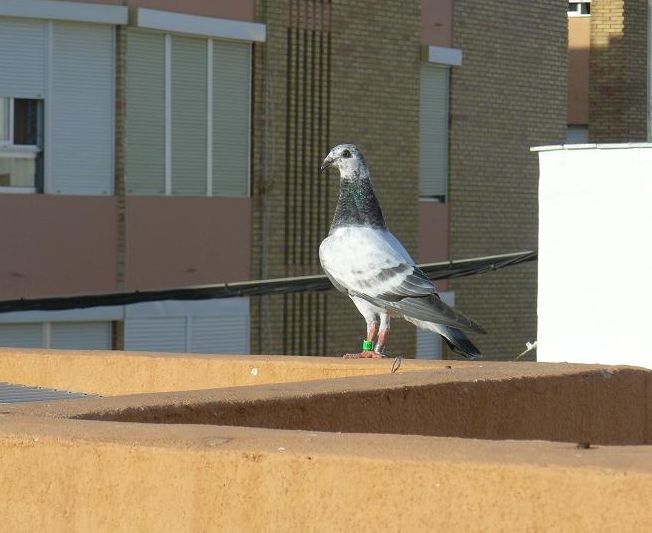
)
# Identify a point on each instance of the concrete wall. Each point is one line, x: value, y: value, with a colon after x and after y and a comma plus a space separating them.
x: 594, y: 227
x: 179, y: 242
x: 113, y: 373
x: 509, y: 94
x: 67, y: 245
x: 433, y: 231
x: 90, y: 476
x: 61, y: 472
x: 437, y: 22
x: 55, y: 245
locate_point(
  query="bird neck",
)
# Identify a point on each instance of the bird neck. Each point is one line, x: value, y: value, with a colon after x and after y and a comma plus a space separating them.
x: 357, y: 204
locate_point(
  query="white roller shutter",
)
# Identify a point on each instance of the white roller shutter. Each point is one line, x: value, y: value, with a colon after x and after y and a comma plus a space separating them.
x: 430, y: 345
x: 80, y: 335
x: 145, y: 113
x: 188, y: 86
x: 22, y: 61
x: 209, y: 326
x: 433, y: 127
x: 231, y: 110
x: 81, y: 109
x: 21, y: 335
x: 156, y: 334
x: 61, y: 335
x: 227, y: 334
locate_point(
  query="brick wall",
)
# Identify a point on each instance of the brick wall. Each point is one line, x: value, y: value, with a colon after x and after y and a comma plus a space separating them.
x: 360, y: 60
x: 345, y: 71
x: 509, y: 95
x: 618, y: 71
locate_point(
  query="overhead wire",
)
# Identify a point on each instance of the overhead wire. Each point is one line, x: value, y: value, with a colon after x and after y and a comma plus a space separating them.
x: 435, y: 271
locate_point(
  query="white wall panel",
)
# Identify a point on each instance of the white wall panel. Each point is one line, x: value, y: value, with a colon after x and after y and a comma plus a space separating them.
x: 595, y: 257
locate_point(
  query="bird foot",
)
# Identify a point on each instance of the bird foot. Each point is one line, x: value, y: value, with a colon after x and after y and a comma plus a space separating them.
x: 366, y: 354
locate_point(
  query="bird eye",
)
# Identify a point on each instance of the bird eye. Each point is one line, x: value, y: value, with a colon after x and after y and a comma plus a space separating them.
x: 346, y: 154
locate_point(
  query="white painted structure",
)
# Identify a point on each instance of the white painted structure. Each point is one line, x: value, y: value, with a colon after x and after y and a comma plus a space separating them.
x: 595, y: 254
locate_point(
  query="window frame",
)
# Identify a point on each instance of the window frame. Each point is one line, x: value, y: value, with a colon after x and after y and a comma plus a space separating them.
x: 578, y: 12
x: 24, y: 151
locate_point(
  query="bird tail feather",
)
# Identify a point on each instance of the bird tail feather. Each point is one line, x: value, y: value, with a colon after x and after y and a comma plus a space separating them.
x: 460, y: 343
x: 455, y: 338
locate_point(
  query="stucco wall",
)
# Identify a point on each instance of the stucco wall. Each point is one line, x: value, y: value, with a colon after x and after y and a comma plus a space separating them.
x: 57, y: 245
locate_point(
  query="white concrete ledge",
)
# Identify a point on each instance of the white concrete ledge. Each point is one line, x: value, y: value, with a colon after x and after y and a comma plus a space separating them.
x: 444, y: 56
x: 589, y: 146
x: 72, y: 11
x: 205, y: 26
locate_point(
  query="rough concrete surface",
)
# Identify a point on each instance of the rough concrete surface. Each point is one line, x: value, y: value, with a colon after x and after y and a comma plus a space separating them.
x: 365, y: 453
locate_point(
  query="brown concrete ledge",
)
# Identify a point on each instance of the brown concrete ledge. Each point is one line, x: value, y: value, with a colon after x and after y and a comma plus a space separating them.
x: 78, y: 475
x: 111, y: 373
x: 370, y: 451
x: 573, y: 403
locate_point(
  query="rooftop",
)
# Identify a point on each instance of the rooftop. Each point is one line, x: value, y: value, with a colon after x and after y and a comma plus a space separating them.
x: 251, y: 443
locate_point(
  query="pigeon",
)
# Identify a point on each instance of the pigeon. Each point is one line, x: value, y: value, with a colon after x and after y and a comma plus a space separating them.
x: 364, y: 260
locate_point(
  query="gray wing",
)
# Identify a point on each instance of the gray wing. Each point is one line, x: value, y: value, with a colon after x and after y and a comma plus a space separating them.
x: 372, y: 264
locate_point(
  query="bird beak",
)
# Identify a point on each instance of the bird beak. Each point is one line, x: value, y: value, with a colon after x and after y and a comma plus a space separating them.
x: 328, y: 162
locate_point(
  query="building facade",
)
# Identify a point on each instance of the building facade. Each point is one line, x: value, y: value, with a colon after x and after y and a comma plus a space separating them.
x: 149, y: 145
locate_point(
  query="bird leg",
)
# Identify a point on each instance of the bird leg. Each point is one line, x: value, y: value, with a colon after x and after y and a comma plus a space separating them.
x: 383, y: 334
x: 372, y: 332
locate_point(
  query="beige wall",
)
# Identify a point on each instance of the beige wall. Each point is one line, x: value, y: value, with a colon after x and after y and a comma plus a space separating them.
x: 183, y: 472
x: 54, y: 245
x: 579, y: 44
x: 437, y: 22
x: 229, y: 9
x: 177, y: 242
x: 67, y: 245
x: 433, y: 232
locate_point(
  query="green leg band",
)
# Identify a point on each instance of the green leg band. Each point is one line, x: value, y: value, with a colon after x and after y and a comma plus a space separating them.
x: 367, y: 345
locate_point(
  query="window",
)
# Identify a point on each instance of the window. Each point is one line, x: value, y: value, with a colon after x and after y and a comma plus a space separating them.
x: 583, y: 7
x: 433, y: 132
x: 188, y: 111
x: 21, y: 141
x: 577, y: 134
x: 56, y: 117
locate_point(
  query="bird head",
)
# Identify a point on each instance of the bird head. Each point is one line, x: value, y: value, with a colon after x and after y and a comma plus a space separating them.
x: 348, y: 159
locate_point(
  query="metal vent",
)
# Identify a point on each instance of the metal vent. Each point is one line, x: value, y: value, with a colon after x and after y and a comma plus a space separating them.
x: 12, y: 393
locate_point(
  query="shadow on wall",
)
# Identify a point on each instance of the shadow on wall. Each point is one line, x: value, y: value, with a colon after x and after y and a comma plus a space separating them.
x: 618, y: 75
x: 599, y: 406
